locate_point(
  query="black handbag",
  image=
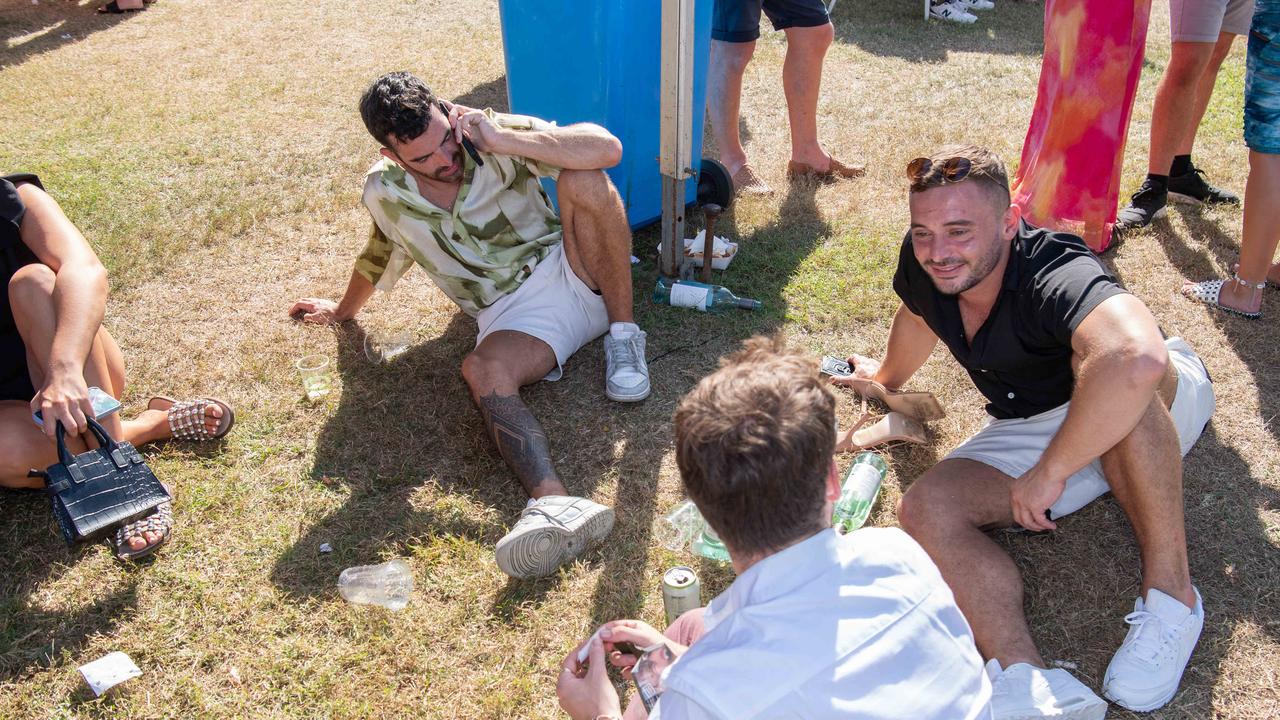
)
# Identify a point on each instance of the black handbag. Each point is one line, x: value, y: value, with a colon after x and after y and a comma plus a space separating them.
x: 97, y: 491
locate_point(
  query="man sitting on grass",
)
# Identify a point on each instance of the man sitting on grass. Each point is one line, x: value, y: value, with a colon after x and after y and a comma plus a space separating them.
x: 817, y: 625
x: 1085, y: 396
x: 539, y: 285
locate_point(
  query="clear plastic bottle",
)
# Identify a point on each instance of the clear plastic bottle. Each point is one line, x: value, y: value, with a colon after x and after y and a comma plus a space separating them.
x: 858, y: 492
x: 699, y: 296
x: 387, y: 585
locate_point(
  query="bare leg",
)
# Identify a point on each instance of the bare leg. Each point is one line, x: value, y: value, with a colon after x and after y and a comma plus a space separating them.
x: 1144, y: 471
x: 1204, y: 92
x: 946, y: 511
x: 802, y: 82
x: 1258, y: 244
x: 31, y: 297
x: 724, y: 98
x: 597, y: 237
x: 23, y: 446
x: 495, y: 371
x: 1176, y: 103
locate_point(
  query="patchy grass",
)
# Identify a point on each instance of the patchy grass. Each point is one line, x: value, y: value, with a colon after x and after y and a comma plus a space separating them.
x: 212, y: 154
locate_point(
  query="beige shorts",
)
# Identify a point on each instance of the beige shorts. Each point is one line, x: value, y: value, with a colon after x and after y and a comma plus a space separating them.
x: 1015, y: 445
x: 1202, y: 20
x: 553, y: 305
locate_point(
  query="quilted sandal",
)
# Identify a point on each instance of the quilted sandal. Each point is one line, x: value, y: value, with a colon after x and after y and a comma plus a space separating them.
x: 916, y: 405
x: 893, y: 427
x: 187, y: 418
x: 159, y: 521
x: 1209, y: 292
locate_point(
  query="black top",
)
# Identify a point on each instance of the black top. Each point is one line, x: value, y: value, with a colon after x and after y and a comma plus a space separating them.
x: 13, y: 252
x: 1020, y: 358
x: 15, y: 380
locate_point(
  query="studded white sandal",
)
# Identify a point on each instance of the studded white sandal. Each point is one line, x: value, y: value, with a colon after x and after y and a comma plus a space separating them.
x: 187, y: 418
x: 1209, y: 291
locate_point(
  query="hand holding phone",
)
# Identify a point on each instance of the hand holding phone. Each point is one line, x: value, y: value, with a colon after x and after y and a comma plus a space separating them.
x: 103, y: 405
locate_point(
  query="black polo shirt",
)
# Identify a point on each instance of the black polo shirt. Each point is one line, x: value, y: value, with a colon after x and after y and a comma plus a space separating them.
x: 1020, y: 358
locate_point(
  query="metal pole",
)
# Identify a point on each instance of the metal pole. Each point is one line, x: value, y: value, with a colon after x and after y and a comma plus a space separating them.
x: 676, y: 127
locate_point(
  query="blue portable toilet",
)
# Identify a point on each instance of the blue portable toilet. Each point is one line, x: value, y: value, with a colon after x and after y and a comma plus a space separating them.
x: 600, y: 61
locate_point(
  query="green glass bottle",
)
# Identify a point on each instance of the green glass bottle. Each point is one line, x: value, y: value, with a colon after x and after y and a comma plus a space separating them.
x: 699, y: 296
x: 858, y: 493
x: 708, y: 545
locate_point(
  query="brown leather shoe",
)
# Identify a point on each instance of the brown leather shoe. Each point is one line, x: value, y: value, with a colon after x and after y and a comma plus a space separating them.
x: 837, y: 171
x: 746, y: 182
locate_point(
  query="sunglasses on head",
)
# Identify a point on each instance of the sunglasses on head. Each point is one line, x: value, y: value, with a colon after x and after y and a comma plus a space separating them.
x: 922, y: 172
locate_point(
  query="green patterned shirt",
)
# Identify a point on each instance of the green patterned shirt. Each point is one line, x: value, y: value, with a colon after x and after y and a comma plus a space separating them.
x: 501, y: 225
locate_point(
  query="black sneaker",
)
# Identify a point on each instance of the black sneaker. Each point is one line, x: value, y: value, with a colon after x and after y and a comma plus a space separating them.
x: 1146, y: 205
x: 1192, y: 188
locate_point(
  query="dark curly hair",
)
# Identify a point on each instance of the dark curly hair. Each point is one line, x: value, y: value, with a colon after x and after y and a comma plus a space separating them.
x: 397, y: 105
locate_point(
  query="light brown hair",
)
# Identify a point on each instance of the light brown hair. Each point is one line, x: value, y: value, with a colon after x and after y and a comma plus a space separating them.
x: 754, y: 442
x: 985, y: 168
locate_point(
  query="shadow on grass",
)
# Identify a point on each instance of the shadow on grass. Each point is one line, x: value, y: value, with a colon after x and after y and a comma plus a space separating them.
x: 398, y: 426
x: 492, y: 94
x: 31, y: 637
x: 48, y: 26
x: 893, y: 28
x: 1256, y: 350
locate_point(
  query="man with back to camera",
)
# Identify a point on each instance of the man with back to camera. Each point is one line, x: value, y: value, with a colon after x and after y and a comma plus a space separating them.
x: 817, y: 624
x: 1085, y: 396
x: 539, y: 285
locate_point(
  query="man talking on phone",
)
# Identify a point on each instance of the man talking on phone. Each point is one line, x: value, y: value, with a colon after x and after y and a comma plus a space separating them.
x: 539, y: 284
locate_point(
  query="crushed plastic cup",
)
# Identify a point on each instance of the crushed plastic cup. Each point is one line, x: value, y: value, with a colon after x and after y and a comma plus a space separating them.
x: 680, y: 526
x: 386, y: 345
x: 387, y: 585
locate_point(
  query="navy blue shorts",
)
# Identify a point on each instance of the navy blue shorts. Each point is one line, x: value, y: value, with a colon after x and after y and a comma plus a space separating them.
x: 1262, y: 81
x: 739, y: 20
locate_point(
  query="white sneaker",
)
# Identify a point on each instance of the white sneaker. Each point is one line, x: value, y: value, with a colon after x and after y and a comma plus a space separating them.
x: 976, y: 4
x: 1025, y: 692
x: 626, y: 374
x: 953, y: 11
x: 1146, y: 670
x: 550, y: 532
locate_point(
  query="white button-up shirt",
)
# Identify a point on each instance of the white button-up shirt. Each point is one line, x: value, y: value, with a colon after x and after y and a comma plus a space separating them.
x: 853, y: 626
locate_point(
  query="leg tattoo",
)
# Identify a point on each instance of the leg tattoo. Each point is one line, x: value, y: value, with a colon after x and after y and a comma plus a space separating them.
x: 519, y: 438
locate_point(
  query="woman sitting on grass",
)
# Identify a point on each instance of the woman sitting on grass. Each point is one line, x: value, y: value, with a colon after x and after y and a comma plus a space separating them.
x: 53, y: 347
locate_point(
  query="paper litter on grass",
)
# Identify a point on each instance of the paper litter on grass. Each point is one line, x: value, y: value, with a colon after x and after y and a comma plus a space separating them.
x: 722, y: 251
x: 108, y: 671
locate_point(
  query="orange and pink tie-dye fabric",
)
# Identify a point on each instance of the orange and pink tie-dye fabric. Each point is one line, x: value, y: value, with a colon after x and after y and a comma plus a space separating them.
x: 1069, y: 176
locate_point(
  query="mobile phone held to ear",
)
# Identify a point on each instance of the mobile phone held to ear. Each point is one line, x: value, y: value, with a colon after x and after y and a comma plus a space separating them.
x: 103, y: 405
x: 466, y: 141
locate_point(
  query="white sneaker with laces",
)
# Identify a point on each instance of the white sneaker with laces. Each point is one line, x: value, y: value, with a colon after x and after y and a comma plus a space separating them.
x: 953, y: 11
x: 1146, y: 670
x: 1026, y: 692
x: 626, y: 374
x: 551, y: 531
x: 977, y: 4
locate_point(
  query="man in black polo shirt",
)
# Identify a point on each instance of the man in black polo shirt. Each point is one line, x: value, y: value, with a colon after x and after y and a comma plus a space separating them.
x: 1085, y: 396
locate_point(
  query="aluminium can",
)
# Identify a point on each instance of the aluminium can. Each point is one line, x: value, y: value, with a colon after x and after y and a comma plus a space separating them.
x: 681, y: 592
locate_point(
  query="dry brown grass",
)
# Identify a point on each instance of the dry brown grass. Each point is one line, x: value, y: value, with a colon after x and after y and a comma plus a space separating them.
x: 212, y: 153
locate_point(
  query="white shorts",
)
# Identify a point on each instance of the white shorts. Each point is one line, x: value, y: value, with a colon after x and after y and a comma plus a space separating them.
x: 553, y: 305
x: 1015, y: 445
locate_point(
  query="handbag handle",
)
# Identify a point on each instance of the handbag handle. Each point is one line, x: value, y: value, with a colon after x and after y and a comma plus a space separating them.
x: 104, y: 439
